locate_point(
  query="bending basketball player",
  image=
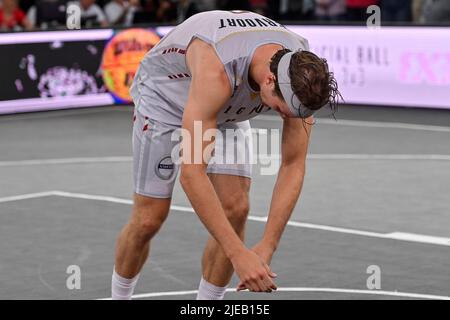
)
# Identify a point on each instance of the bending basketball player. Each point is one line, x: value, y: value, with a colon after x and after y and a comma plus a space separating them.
x: 221, y: 69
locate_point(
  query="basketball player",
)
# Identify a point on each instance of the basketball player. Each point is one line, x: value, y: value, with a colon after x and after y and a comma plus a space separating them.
x: 219, y: 68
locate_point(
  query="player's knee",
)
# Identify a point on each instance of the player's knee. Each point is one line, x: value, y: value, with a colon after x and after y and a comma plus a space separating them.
x: 148, y: 218
x: 147, y: 227
x: 236, y: 209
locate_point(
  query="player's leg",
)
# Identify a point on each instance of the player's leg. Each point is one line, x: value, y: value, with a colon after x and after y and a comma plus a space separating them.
x: 133, y: 243
x: 154, y: 178
x: 231, y: 183
x: 217, y: 269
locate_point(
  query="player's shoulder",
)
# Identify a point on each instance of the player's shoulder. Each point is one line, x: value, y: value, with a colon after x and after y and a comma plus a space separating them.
x: 296, y: 37
x: 207, y: 71
x: 202, y: 57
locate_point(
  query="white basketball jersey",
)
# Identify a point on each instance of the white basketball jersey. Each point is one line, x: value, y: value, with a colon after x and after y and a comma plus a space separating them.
x: 161, y: 85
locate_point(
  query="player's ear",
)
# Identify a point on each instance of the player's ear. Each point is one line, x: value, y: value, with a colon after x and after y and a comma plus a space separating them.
x: 270, y: 80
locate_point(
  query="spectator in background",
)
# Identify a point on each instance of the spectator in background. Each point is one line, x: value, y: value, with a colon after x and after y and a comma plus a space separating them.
x: 436, y: 11
x: 121, y: 12
x: 235, y: 5
x: 91, y: 14
x: 273, y: 9
x: 146, y: 12
x: 47, y: 13
x: 156, y: 11
x: 12, y: 17
x: 185, y: 9
x: 259, y: 6
x: 292, y: 10
x: 417, y: 11
x: 396, y: 10
x: 331, y: 10
x: 25, y: 5
x: 166, y: 11
x: 206, y: 5
x: 309, y: 9
x: 357, y: 9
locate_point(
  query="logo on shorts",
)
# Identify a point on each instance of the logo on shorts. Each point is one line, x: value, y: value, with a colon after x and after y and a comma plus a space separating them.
x: 165, y: 168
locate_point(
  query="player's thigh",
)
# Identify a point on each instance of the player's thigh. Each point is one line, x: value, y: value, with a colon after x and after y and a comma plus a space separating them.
x: 231, y: 189
x: 154, y: 171
x: 230, y: 170
x: 149, y: 213
x: 233, y: 151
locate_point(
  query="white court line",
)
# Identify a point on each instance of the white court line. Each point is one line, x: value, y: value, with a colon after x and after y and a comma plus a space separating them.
x: 330, y: 290
x: 350, y: 156
x: 316, y: 156
x: 401, y: 236
x: 394, y: 235
x: 65, y: 161
x: 92, y: 197
x: 56, y: 113
x: 410, y: 237
x: 418, y: 238
x: 27, y: 196
x: 368, y: 124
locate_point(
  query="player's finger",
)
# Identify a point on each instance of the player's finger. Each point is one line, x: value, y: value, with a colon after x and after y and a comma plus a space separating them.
x: 262, y: 286
x: 251, y: 286
x: 269, y: 285
x: 270, y: 272
x: 241, y: 286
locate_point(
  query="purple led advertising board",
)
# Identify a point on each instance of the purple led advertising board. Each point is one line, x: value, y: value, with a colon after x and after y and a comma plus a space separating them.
x: 393, y: 66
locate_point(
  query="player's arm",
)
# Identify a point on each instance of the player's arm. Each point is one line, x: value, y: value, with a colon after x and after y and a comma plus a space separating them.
x: 294, y: 147
x: 209, y: 91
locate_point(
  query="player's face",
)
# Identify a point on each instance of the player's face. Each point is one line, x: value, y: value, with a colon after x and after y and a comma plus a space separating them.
x: 270, y: 99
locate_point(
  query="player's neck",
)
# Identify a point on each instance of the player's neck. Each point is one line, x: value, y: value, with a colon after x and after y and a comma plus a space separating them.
x: 260, y: 64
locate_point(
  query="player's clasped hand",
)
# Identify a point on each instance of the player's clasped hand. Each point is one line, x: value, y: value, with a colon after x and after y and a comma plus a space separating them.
x: 255, y: 274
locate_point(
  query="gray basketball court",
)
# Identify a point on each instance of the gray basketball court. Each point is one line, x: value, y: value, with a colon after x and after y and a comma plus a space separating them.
x: 376, y: 195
